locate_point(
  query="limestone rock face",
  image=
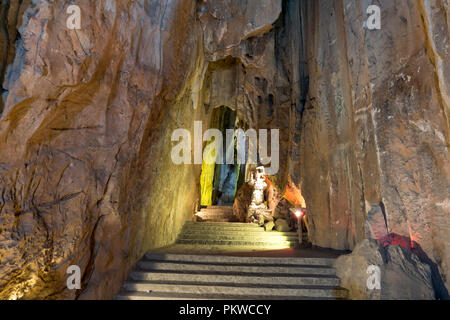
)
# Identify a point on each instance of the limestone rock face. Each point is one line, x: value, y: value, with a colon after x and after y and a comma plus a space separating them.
x: 268, y: 226
x: 242, y: 202
x: 87, y: 116
x: 402, y: 275
x: 375, y: 130
x: 11, y: 18
x: 86, y: 176
x: 352, y: 270
x: 282, y: 225
x: 228, y: 23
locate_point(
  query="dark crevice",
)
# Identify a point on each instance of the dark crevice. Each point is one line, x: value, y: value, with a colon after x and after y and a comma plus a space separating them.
x: 10, y: 21
x: 383, y: 210
x: 4, y: 45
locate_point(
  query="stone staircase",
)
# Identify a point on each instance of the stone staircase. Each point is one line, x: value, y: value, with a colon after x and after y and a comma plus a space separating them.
x: 160, y: 276
x: 192, y: 277
x: 216, y: 214
x: 216, y: 227
x: 235, y: 234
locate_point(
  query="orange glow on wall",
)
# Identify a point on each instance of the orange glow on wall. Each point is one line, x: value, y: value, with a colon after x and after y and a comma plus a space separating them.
x: 411, y: 236
x: 293, y: 194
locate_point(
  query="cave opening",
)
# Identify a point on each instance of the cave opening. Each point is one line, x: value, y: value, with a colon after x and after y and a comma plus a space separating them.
x: 220, y: 180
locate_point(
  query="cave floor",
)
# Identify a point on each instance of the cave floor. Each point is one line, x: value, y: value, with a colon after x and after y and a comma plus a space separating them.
x: 314, y: 252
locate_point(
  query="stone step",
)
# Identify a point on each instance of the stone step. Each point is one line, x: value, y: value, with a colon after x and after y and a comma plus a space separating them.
x: 137, y: 295
x: 214, y: 215
x: 229, y: 208
x: 225, y: 225
x: 236, y: 278
x: 261, y: 244
x: 257, y: 261
x: 209, y: 227
x: 237, y: 290
x: 228, y: 211
x: 251, y: 233
x: 146, y: 265
x: 160, y: 276
x: 238, y: 237
x: 204, y: 220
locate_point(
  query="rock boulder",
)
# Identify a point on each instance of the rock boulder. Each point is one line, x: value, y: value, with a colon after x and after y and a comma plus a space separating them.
x: 402, y: 275
x: 282, y: 225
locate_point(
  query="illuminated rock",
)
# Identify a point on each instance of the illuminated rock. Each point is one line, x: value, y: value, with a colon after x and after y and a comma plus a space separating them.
x: 268, y: 226
x: 375, y: 129
x: 242, y: 202
x: 402, y: 275
x: 85, y: 130
x: 86, y: 120
x: 207, y: 175
x: 282, y: 225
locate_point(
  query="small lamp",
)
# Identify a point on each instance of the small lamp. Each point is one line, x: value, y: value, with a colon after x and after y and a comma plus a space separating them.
x: 298, y: 212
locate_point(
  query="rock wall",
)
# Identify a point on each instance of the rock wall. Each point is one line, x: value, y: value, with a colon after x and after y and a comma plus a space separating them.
x: 11, y: 15
x: 85, y: 170
x: 87, y: 116
x: 400, y: 274
x: 85, y: 130
x: 375, y: 130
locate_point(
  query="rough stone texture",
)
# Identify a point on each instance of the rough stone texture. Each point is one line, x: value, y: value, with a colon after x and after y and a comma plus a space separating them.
x: 282, y: 225
x: 242, y: 202
x: 402, y: 277
x: 268, y: 226
x: 11, y: 15
x: 87, y: 117
x: 85, y: 170
x: 375, y: 130
x: 85, y: 140
x: 273, y: 196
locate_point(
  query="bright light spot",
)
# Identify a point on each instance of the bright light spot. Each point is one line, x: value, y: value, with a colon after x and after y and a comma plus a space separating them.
x: 298, y: 214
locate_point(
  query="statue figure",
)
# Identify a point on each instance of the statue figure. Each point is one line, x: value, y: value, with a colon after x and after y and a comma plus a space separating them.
x: 259, y: 185
x: 258, y: 212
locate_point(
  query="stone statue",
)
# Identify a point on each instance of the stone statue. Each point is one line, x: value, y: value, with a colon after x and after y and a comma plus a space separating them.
x: 259, y: 185
x: 258, y: 212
